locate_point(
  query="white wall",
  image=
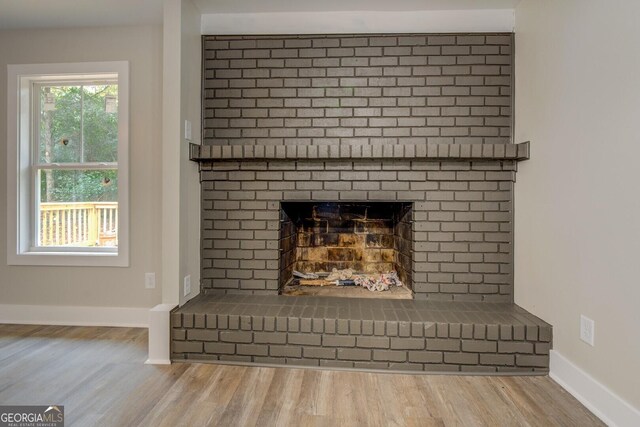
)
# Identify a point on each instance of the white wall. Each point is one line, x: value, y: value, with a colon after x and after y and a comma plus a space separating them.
x: 109, y: 287
x: 577, y: 210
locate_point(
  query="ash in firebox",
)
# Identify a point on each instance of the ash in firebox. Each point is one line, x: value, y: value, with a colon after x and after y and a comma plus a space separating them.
x: 378, y: 282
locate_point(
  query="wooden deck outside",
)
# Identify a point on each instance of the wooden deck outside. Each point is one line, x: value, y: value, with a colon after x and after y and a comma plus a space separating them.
x: 79, y: 224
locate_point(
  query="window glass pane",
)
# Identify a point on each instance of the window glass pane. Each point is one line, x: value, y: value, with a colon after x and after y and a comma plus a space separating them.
x: 78, y: 208
x: 100, y: 123
x: 78, y: 123
x: 60, y: 124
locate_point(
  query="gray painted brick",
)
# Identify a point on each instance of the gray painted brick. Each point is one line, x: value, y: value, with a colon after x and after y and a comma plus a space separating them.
x: 533, y: 361
x: 187, y: 347
x: 518, y: 332
x: 236, y: 336
x: 486, y: 60
x: 187, y: 320
x: 178, y: 334
x: 407, y: 344
x: 515, y: 347
x: 298, y: 111
x: 479, y: 346
x: 443, y: 344
x: 542, y: 348
x: 252, y: 349
x: 285, y: 351
x: 219, y: 348
x: 497, y: 359
x: 319, y: 352
x: 354, y: 354
x: 270, y: 338
x: 305, y: 339
x: 461, y: 358
x: 367, y: 327
x: 355, y: 327
x: 392, y: 329
x: 343, y: 326
x: 202, y: 335
x: 199, y: 320
x: 389, y: 355
x: 545, y: 334
x: 372, y: 342
x: 469, y: 355
x: 338, y: 341
x: 425, y: 357
x: 176, y: 319
x: 305, y: 325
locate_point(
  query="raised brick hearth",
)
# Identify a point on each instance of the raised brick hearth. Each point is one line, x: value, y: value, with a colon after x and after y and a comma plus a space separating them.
x: 420, y: 124
x: 358, y: 333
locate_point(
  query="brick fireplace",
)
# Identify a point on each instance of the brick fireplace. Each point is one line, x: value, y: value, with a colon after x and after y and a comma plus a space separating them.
x: 374, y: 153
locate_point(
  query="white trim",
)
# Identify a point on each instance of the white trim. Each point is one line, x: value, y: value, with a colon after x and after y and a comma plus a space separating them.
x: 19, y: 212
x: 421, y: 21
x: 157, y: 362
x: 160, y: 334
x: 171, y: 145
x: 135, y: 317
x: 605, y: 404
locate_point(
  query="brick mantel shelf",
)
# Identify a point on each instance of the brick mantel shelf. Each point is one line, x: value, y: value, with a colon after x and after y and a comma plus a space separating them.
x: 341, y: 152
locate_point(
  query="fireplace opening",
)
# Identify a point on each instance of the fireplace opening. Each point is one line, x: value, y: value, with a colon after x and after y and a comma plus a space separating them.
x: 350, y: 249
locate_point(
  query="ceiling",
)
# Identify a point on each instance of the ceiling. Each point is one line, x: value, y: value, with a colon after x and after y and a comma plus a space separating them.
x: 16, y: 14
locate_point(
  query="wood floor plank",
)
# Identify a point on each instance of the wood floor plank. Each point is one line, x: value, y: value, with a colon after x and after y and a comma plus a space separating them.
x: 278, y: 407
x: 392, y: 397
x: 99, y: 375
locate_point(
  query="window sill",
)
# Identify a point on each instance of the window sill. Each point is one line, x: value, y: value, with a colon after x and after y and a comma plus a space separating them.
x: 70, y: 259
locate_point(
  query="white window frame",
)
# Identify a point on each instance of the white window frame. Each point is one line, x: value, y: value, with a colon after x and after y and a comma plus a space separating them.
x: 20, y: 179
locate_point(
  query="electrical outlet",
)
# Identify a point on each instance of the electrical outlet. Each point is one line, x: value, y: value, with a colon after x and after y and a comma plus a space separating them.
x: 150, y: 280
x: 187, y: 285
x: 587, y: 330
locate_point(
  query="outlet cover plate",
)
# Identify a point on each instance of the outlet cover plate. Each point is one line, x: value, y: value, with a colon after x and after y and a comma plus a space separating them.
x: 150, y: 280
x: 587, y: 330
x: 186, y: 285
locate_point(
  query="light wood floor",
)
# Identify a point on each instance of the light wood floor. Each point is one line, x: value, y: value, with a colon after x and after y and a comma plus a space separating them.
x: 99, y: 376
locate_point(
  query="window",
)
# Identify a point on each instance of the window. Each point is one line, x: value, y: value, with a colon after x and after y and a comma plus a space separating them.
x: 67, y: 162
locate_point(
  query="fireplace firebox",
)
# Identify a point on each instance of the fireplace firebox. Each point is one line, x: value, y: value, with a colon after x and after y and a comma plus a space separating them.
x: 366, y: 239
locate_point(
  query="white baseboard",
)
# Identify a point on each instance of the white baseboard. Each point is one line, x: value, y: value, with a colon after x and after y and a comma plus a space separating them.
x: 605, y: 404
x: 157, y: 362
x: 137, y: 317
